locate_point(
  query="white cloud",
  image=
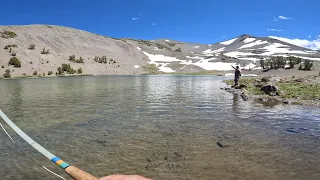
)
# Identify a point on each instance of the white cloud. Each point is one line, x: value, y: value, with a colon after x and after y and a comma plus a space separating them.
x: 277, y: 30
x: 284, y: 18
x: 309, y: 36
x: 310, y: 44
x: 134, y: 18
x: 153, y: 24
x: 281, y: 18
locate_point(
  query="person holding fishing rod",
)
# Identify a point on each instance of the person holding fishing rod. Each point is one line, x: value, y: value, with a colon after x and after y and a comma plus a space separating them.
x: 72, y: 171
x: 237, y: 75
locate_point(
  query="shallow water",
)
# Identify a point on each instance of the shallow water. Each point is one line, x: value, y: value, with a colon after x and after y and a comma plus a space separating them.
x: 162, y: 127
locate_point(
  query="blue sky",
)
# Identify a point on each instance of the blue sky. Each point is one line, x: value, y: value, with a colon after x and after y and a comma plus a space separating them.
x: 203, y: 21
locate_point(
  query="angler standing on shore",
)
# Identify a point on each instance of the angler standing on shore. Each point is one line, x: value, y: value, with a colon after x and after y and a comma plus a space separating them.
x: 237, y: 75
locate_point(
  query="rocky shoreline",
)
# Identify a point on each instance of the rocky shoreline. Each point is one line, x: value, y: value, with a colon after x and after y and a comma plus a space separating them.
x: 271, y: 91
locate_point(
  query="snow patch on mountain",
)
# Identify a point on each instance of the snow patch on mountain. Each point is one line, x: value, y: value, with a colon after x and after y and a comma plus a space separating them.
x: 279, y: 48
x: 229, y: 41
x: 256, y: 43
x: 210, y: 51
x: 249, y: 40
x: 196, y: 46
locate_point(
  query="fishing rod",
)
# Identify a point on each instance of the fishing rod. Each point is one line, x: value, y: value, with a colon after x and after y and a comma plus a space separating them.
x: 72, y: 171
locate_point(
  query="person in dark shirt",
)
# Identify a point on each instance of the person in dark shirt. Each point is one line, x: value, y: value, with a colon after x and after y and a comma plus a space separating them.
x: 237, y: 75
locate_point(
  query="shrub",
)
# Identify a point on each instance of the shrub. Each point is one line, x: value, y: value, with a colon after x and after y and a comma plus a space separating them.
x: 7, y: 74
x: 80, y: 71
x: 31, y: 62
x: 10, y: 45
x: 300, y: 67
x: 308, y: 65
x: 43, y: 74
x: 32, y: 46
x: 8, y: 34
x: 72, y: 71
x: 13, y: 54
x: 291, y: 62
x: 178, y: 50
x: 171, y: 44
x: 45, y: 51
x: 50, y: 73
x: 275, y: 62
x: 80, y: 60
x: 10, y: 50
x: 66, y: 67
x: 102, y: 59
x: 35, y: 73
x: 73, y: 59
x: 2, y: 66
x: 15, y: 62
x: 59, y: 69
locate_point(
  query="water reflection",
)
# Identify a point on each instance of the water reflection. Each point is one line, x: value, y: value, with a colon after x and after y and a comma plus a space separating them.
x: 165, y: 127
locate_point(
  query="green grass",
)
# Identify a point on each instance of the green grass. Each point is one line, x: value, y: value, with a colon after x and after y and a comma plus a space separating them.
x: 245, y: 81
x: 292, y: 90
x: 175, y: 66
x: 303, y: 91
x: 249, y: 82
x: 150, y: 69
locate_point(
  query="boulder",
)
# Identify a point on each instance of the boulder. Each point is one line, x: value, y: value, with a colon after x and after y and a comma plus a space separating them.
x: 266, y: 79
x: 285, y: 101
x: 270, y: 90
x: 241, y: 86
x: 259, y: 85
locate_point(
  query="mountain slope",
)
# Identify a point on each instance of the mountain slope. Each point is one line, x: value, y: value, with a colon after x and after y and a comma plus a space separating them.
x: 130, y: 56
x: 63, y: 42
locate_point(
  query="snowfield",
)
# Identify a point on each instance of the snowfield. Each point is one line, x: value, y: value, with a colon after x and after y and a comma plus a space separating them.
x: 160, y: 62
x: 256, y: 43
x: 249, y: 40
x: 229, y: 42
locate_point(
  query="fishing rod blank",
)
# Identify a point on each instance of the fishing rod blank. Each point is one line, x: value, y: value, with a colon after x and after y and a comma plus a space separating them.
x: 74, y: 172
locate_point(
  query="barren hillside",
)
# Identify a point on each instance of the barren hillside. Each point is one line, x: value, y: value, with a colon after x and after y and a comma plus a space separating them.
x: 63, y: 42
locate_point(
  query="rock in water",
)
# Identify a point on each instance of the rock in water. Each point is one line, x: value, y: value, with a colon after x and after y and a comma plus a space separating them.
x: 219, y: 144
x: 244, y: 96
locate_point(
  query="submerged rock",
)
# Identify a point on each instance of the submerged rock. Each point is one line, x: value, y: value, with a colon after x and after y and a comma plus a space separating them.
x: 244, y: 95
x: 219, y: 144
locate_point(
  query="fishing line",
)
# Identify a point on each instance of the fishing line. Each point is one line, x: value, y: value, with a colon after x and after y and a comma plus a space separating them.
x: 20, y: 147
